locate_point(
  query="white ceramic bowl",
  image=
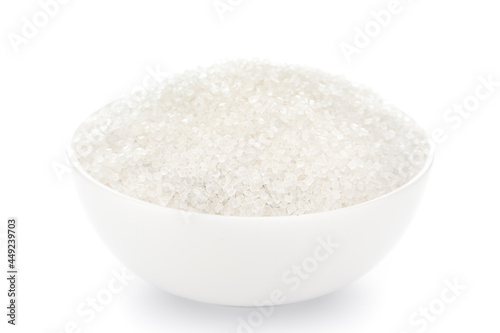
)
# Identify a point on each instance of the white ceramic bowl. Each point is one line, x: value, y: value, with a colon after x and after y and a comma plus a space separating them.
x: 246, y: 261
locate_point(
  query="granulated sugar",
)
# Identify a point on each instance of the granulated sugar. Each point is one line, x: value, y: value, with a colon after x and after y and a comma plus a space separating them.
x: 253, y: 138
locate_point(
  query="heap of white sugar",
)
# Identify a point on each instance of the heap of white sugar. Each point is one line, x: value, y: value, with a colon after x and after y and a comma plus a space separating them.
x: 253, y: 138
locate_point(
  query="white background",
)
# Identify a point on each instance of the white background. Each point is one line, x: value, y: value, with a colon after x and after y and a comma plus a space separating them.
x: 428, y: 58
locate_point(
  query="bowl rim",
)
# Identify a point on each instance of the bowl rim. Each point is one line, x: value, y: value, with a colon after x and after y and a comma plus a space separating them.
x: 75, y: 163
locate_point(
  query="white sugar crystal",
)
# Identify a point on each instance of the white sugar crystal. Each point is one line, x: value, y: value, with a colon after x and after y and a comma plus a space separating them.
x: 252, y: 138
